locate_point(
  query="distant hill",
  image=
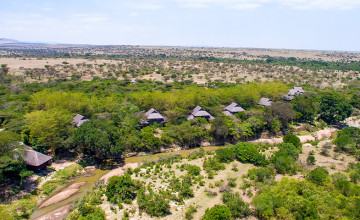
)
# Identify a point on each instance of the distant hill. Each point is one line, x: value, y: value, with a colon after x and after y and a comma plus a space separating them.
x: 12, y: 42
x: 8, y: 41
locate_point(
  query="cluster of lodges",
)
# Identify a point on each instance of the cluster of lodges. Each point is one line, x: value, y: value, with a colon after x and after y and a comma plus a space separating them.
x: 36, y: 160
x: 152, y: 116
x: 288, y: 97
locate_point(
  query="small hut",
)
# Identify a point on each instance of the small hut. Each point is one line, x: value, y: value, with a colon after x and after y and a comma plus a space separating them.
x: 36, y: 160
x: 78, y: 120
x: 152, y: 116
x: 294, y: 92
x: 232, y: 109
x: 200, y: 113
x: 265, y: 102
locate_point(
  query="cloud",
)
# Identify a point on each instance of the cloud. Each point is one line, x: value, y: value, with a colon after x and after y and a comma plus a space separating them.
x: 247, y: 4
x: 134, y: 14
x: 148, y: 6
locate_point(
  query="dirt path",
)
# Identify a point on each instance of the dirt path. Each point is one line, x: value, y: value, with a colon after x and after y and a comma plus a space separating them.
x: 66, y: 193
x: 319, y: 135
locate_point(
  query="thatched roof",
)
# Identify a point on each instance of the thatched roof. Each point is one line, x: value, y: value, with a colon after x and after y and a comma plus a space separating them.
x: 34, y: 158
x: 78, y: 120
x: 234, y: 108
x: 265, y: 102
x: 227, y: 113
x: 296, y: 91
x: 199, y: 112
x: 152, y: 114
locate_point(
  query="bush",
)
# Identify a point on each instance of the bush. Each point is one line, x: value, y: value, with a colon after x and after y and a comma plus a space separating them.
x: 284, y: 159
x: 311, y: 160
x: 218, y: 212
x: 193, y: 169
x: 318, y: 175
x: 246, y: 152
x: 212, y: 164
x: 121, y: 189
x: 189, y: 212
x: 225, y: 155
x: 285, y: 164
x: 292, y: 139
x: 238, y: 208
x: 348, y: 140
x: 91, y: 212
x: 261, y: 174
x: 152, y: 203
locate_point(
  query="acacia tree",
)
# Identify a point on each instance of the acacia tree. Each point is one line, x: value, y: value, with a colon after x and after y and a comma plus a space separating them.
x: 48, y: 127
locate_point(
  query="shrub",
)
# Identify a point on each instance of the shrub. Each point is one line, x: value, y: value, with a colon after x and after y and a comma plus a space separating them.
x: 212, y: 164
x: 311, y: 160
x: 218, y: 212
x: 193, y: 170
x: 91, y: 212
x: 154, y: 204
x: 246, y: 152
x: 318, y: 175
x: 261, y: 174
x: 348, y: 140
x: 189, y: 212
x: 121, y: 189
x: 225, y: 155
x: 292, y: 139
x: 238, y: 208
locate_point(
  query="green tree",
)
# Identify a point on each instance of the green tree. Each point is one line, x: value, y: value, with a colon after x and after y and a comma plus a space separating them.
x: 311, y: 160
x: 218, y: 212
x: 225, y: 155
x: 121, y: 189
x: 238, y: 208
x: 98, y: 138
x: 334, y: 109
x: 12, y: 156
x: 247, y: 152
x: 318, y: 175
x: 48, y: 126
x: 307, y: 105
x: 293, y: 139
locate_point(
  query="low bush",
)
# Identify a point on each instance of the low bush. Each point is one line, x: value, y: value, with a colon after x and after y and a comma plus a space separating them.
x: 318, y: 175
x: 225, y: 155
x: 218, y: 212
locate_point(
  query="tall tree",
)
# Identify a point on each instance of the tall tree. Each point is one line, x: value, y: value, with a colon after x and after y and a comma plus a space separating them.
x: 334, y: 109
x: 48, y: 126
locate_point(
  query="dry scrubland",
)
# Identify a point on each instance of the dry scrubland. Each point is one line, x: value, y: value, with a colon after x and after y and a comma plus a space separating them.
x: 209, y: 193
x: 171, y: 64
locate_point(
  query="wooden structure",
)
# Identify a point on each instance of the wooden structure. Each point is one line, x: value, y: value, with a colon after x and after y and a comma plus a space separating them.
x: 36, y: 160
x: 200, y: 113
x: 152, y: 116
x: 232, y: 109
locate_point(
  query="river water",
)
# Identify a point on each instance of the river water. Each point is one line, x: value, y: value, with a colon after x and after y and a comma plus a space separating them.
x: 97, y: 174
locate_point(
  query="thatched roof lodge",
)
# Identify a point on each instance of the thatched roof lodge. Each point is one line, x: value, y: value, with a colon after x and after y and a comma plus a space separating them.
x: 233, y: 108
x: 293, y: 92
x: 201, y: 113
x: 78, y: 120
x: 36, y: 160
x: 152, y: 116
x: 265, y: 102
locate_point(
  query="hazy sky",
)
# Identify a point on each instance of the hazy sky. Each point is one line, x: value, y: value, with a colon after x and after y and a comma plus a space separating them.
x: 292, y: 24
